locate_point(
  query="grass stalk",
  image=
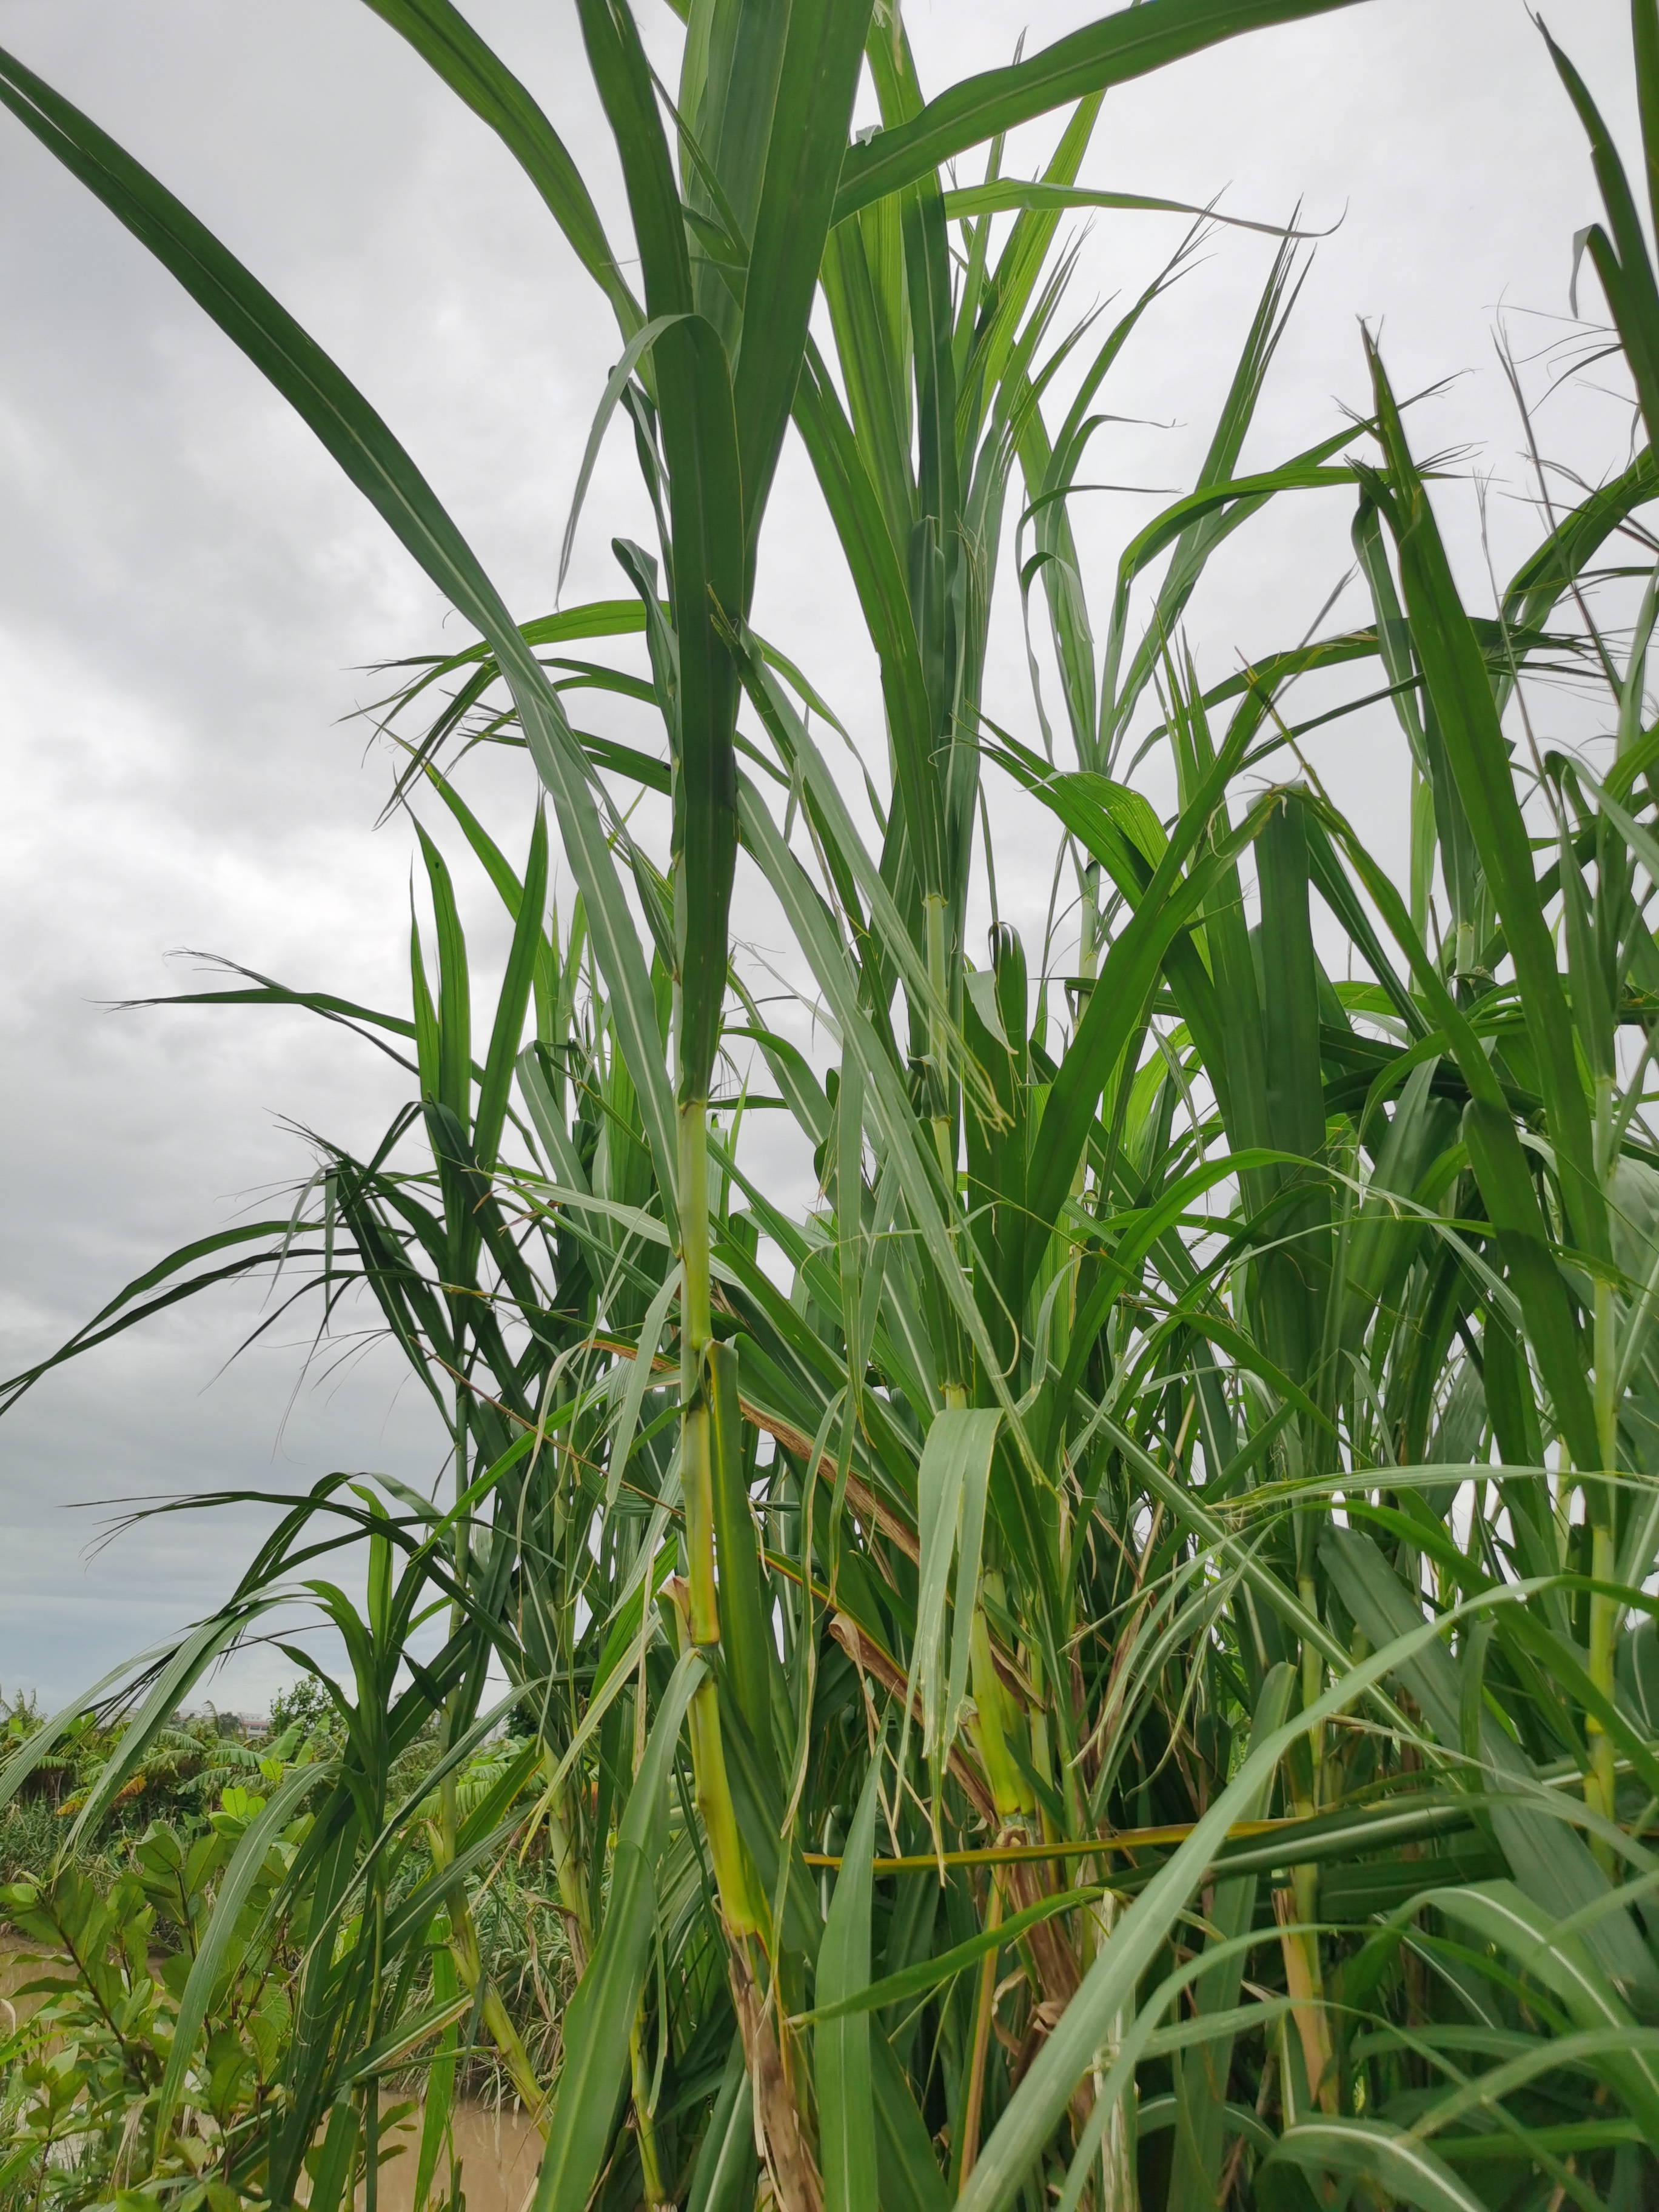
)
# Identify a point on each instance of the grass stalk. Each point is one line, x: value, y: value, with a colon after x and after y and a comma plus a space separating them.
x: 984, y: 2008
x: 713, y: 1791
x: 498, y: 2022
x: 657, y: 2198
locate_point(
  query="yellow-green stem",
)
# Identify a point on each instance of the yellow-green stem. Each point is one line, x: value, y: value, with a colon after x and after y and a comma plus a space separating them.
x: 1606, y: 1102
x: 944, y: 1113
x: 697, y: 1498
x: 943, y: 1133
x: 1601, y: 1787
x: 1313, y: 1681
x: 1304, y: 1969
x: 1423, y: 851
x: 644, y: 2125
x: 1117, y: 2152
x: 982, y: 2011
x: 567, y: 1873
x: 996, y: 1720
x: 1089, y: 947
x: 468, y: 1966
x: 1601, y: 1784
x: 1606, y: 1383
x: 1304, y: 1985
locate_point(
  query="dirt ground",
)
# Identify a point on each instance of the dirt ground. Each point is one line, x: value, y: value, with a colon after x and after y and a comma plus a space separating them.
x: 14, y: 1972
x: 498, y: 2154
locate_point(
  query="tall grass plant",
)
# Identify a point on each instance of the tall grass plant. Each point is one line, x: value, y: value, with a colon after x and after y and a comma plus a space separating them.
x: 1111, y: 1657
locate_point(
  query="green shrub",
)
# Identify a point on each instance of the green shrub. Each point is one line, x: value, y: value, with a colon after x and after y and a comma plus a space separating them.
x: 84, y: 2071
x: 30, y: 1833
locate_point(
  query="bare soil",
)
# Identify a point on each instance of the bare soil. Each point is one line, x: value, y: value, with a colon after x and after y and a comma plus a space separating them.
x: 498, y: 2154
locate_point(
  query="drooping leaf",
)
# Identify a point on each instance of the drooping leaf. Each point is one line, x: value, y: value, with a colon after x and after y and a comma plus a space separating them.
x: 1114, y: 50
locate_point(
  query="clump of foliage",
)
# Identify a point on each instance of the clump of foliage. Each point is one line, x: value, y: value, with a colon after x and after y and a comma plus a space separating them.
x: 191, y: 1759
x: 1110, y: 1658
x: 304, y: 1708
x: 29, y: 1836
x: 156, y: 2033
x: 118, y: 2078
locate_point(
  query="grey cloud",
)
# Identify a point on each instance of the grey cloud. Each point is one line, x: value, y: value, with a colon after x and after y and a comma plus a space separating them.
x: 187, y: 590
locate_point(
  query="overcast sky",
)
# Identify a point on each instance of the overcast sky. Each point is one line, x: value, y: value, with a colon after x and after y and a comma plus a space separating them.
x: 189, y: 592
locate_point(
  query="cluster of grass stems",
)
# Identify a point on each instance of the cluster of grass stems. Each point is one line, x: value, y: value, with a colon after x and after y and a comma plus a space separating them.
x: 1109, y: 1660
